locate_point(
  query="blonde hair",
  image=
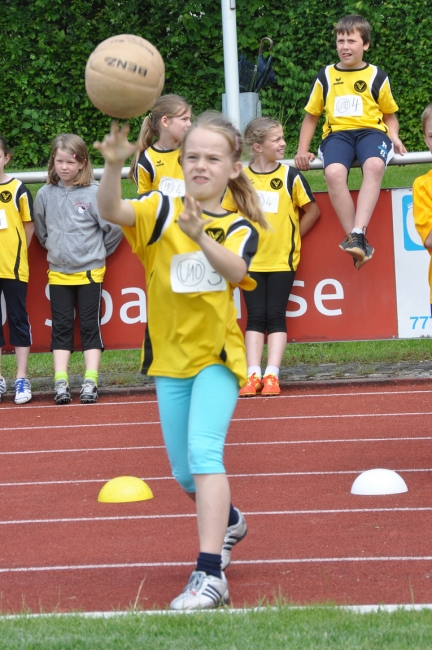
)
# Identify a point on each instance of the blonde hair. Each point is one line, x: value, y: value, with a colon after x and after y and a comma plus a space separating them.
x: 243, y: 193
x: 73, y: 145
x: 257, y: 131
x: 166, y: 106
x: 349, y: 23
x: 426, y: 116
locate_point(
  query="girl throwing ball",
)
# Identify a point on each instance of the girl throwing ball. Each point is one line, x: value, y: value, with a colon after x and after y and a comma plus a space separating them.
x: 68, y: 225
x: 156, y: 165
x: 284, y: 194
x: 194, y: 253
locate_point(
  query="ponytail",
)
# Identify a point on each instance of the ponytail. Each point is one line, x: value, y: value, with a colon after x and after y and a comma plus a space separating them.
x: 246, y: 199
x: 146, y: 137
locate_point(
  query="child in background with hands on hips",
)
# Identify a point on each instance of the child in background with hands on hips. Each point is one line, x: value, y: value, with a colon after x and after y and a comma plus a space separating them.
x: 194, y: 346
x: 16, y: 231
x: 285, y: 195
x: 69, y: 226
x: 156, y: 165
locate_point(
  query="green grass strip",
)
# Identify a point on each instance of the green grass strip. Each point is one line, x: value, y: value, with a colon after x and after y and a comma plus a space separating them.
x: 277, y: 628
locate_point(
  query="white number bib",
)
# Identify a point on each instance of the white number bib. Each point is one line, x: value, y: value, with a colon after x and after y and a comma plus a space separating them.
x: 172, y: 186
x: 3, y: 220
x: 193, y: 273
x: 348, y: 106
x: 269, y: 201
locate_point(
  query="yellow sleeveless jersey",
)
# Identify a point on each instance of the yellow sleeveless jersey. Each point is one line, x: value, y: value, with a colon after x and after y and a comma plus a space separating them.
x: 351, y: 99
x: 16, y: 207
x: 422, y: 212
x: 282, y: 193
x: 192, y: 319
x: 160, y: 170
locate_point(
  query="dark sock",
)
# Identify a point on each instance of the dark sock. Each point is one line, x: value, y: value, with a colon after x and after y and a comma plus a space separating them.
x: 233, y: 516
x: 210, y: 563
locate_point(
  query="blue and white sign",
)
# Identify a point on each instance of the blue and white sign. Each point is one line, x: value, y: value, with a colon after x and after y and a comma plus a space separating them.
x: 411, y: 269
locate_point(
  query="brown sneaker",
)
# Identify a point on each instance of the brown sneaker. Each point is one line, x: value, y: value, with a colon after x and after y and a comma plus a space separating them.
x: 252, y: 387
x: 271, y: 386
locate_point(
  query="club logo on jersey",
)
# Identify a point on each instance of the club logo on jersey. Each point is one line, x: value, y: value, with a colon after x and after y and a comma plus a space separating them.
x: 217, y: 234
x: 276, y: 183
x: 360, y: 86
x: 5, y: 196
x: 81, y: 207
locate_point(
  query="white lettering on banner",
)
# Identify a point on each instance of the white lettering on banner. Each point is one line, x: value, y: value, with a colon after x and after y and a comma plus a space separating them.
x: 299, y: 300
x: 108, y: 307
x: 319, y: 296
x: 140, y: 303
x: 3, y: 308
x: 48, y: 321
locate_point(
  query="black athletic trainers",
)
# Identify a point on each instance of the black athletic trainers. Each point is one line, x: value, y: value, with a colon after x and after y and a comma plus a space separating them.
x: 356, y: 245
x: 369, y: 252
x: 89, y: 393
x: 62, y: 394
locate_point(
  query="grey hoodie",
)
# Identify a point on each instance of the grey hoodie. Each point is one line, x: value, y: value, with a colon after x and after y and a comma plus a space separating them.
x: 68, y: 225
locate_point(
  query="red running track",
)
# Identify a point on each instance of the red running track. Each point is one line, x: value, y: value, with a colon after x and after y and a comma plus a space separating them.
x: 292, y: 461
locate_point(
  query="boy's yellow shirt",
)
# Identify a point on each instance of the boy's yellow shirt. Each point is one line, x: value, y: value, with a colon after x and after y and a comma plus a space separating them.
x: 351, y: 99
x: 422, y: 212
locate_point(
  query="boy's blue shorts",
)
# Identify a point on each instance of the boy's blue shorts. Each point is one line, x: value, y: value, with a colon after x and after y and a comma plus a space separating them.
x: 360, y: 144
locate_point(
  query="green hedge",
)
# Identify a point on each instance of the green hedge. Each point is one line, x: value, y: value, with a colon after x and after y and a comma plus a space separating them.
x: 45, y: 45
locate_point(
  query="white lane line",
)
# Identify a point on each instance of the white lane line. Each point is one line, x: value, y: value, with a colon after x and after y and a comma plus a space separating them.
x: 317, y: 416
x: 231, y: 476
x: 101, y: 404
x: 228, y: 444
x: 335, y: 511
x: 139, y: 565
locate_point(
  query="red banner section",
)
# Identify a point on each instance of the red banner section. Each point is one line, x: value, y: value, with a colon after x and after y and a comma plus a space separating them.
x: 330, y: 301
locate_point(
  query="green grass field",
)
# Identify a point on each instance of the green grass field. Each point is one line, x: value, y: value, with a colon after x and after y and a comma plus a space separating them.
x: 280, y: 628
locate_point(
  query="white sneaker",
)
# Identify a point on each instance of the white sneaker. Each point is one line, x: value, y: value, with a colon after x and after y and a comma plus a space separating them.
x: 23, y: 392
x: 2, y: 386
x: 233, y: 536
x: 203, y: 591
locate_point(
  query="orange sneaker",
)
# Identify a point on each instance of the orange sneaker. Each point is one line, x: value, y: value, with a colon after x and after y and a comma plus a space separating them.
x: 252, y: 387
x: 270, y: 386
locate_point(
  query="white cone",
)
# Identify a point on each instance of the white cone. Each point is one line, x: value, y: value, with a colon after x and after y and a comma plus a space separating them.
x: 379, y: 481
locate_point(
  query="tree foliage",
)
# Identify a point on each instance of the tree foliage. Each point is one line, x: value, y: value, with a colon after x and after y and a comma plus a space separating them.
x: 46, y: 43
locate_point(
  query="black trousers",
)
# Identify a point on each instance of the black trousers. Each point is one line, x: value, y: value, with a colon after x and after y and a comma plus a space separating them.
x: 267, y: 303
x: 88, y: 298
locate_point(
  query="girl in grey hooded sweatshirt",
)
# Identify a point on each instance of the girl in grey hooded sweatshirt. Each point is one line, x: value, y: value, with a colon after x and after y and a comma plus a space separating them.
x: 78, y: 240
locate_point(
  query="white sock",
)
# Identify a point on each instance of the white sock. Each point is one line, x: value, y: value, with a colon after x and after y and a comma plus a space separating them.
x: 272, y: 370
x: 359, y: 231
x: 254, y: 369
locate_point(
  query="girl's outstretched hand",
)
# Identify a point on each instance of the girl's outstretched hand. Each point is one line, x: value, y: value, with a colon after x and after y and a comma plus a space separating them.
x: 190, y: 220
x: 115, y: 147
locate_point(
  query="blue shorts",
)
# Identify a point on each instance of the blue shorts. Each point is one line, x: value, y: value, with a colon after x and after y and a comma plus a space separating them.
x: 15, y: 295
x: 195, y: 414
x: 346, y: 146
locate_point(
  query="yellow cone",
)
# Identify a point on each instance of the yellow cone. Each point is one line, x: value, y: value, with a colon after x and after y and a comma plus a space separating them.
x: 123, y: 489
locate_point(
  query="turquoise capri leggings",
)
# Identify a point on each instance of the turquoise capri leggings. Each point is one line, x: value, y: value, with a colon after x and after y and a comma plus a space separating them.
x: 195, y: 414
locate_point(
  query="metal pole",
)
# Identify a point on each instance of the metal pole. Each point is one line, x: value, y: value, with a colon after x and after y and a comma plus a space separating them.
x: 229, y: 31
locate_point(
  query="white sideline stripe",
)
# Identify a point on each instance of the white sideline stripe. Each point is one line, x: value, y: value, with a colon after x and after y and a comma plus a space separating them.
x: 150, y: 565
x: 280, y: 397
x: 225, y: 611
x: 228, y: 444
x: 171, y: 478
x: 254, y: 419
x: 335, y: 511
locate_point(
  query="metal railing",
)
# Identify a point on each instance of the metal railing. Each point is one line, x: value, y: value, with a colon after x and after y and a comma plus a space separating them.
x: 407, y: 159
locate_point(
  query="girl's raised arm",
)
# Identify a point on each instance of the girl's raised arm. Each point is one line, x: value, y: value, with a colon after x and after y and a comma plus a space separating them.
x: 116, y: 149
